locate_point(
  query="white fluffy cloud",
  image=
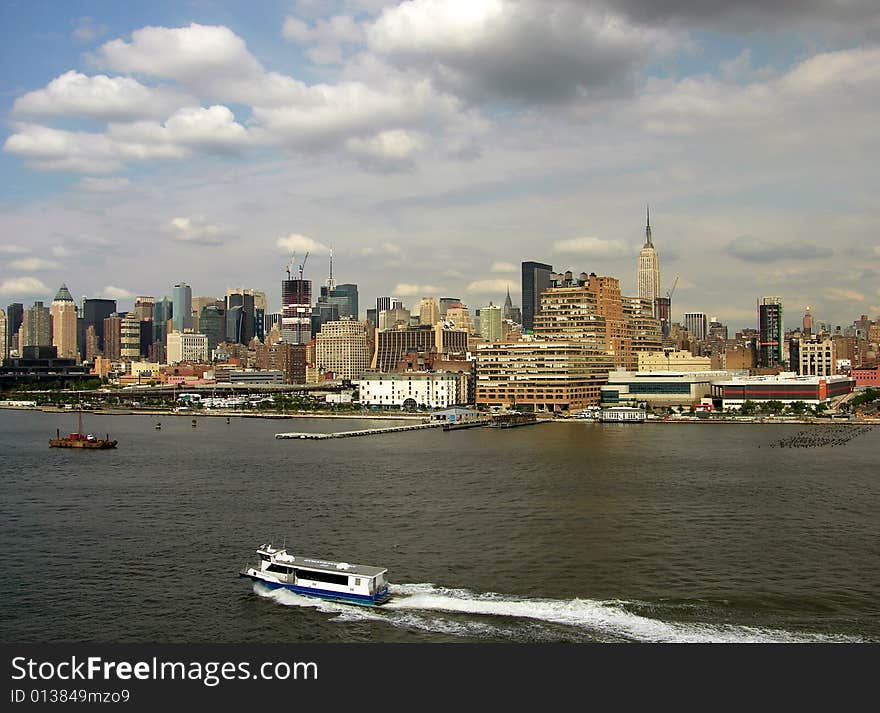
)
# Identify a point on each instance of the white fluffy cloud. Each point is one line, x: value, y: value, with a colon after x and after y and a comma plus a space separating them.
x: 489, y: 287
x: 23, y: 287
x: 386, y: 151
x: 31, y: 264
x: 591, y: 246
x: 405, y: 289
x: 504, y: 267
x: 301, y: 244
x: 99, y: 97
x: 111, y: 292
x: 61, y: 150
x: 198, y: 230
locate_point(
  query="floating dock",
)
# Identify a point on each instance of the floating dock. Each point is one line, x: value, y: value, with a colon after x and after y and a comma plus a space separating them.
x: 353, y: 434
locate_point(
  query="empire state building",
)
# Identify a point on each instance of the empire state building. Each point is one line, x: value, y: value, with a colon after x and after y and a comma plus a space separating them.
x: 649, y: 268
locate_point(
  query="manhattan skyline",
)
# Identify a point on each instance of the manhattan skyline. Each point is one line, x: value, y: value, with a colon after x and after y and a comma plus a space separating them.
x: 146, y: 145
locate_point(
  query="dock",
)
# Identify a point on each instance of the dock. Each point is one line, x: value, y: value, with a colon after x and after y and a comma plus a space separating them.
x: 354, y: 434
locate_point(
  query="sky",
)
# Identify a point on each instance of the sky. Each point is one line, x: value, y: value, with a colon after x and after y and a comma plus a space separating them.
x: 434, y: 145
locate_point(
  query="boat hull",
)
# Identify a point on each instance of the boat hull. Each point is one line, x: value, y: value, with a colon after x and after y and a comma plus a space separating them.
x: 66, y: 443
x: 381, y: 598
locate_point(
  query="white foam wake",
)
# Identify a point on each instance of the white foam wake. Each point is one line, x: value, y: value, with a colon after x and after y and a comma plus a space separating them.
x: 488, y: 614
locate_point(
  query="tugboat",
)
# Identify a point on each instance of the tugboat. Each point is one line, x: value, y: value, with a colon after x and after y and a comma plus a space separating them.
x: 80, y: 439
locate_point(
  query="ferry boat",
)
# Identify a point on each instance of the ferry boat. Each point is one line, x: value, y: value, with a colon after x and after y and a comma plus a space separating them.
x: 335, y: 581
x: 622, y: 414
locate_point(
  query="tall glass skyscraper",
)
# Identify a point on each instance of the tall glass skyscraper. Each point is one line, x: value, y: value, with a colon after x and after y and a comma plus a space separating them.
x: 94, y: 312
x: 535, y: 279
x: 181, y: 298
x: 770, y: 332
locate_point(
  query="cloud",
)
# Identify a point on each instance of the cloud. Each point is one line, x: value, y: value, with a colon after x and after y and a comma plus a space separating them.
x: 749, y: 15
x: 843, y: 295
x: 485, y: 287
x: 60, y: 251
x: 591, y: 246
x: 13, y: 249
x: 210, y: 60
x: 86, y: 30
x: 99, y: 97
x: 477, y: 48
x: 51, y: 149
x: 325, y: 38
x: 103, y: 185
x: 387, y: 249
x: 32, y: 264
x: 198, y: 230
x: 408, y: 290
x: 111, y: 292
x: 504, y: 267
x: 296, y: 243
x: 750, y: 249
x: 23, y: 287
x: 387, y: 151
x: 213, y: 128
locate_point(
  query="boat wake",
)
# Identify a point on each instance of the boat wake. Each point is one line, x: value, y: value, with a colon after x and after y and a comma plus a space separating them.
x: 460, y: 612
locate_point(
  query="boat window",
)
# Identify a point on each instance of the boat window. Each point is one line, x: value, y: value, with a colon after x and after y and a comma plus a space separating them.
x: 265, y: 558
x: 328, y: 577
x: 357, y: 581
x: 279, y: 568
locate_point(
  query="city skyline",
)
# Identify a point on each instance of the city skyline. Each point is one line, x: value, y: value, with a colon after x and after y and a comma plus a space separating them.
x: 434, y: 156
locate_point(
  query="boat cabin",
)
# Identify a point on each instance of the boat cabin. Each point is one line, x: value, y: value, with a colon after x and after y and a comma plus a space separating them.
x: 303, y: 572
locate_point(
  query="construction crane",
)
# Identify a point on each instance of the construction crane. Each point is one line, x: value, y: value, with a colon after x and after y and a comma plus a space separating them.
x: 669, y: 292
x: 302, y: 265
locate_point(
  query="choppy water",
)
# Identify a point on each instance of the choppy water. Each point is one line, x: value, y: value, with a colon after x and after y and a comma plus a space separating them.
x: 559, y: 532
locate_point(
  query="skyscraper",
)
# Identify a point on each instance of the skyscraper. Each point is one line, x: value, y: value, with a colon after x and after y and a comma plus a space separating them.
x: 94, y: 312
x: 36, y: 327
x: 649, y: 267
x: 429, y: 311
x: 535, y: 279
x: 144, y: 307
x: 181, y: 299
x: 770, y: 332
x: 697, y: 324
x: 4, y: 337
x: 240, y: 316
x: 14, y: 317
x: 63, y: 313
x: 445, y: 303
x: 808, y: 323
x: 296, y: 311
x: 490, y: 323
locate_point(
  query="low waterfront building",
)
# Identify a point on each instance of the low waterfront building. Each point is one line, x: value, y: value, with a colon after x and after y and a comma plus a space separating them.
x: 658, y: 389
x: 786, y: 387
x: 413, y: 389
x: 866, y: 376
x: 548, y: 376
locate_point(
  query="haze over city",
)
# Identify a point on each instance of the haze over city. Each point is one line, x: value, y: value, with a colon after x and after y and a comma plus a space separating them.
x: 436, y: 145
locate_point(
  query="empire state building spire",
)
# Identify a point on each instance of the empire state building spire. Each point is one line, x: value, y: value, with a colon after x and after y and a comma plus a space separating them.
x: 649, y: 266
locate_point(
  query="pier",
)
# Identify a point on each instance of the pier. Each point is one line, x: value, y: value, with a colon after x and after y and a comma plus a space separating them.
x: 353, y: 434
